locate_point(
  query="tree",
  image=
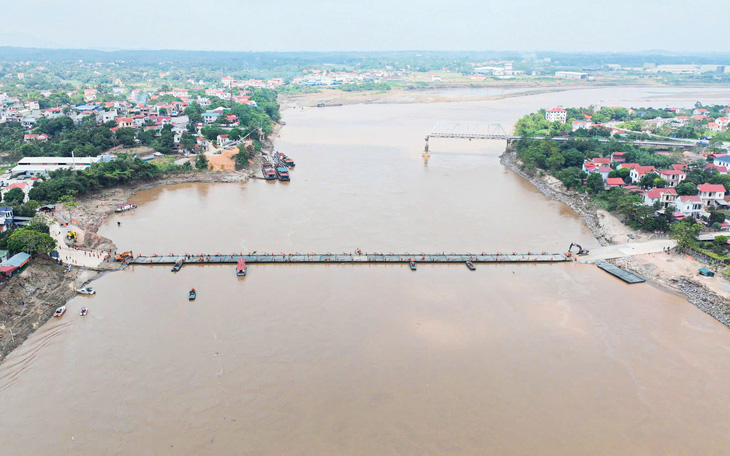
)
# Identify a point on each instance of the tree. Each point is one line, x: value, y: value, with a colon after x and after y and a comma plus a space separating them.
x: 187, y: 141
x: 686, y: 188
x: 31, y: 241
x: 201, y: 161
x: 242, y: 157
x: 659, y: 183
x: 721, y: 240
x: 716, y: 216
x: 125, y: 136
x: 555, y: 162
x: 686, y: 232
x: 68, y: 201
x: 647, y: 180
x: 166, y: 142
x: 14, y: 197
x: 28, y: 209
x: 594, y: 183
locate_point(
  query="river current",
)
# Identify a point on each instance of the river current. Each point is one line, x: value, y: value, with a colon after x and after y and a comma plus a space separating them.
x: 373, y: 360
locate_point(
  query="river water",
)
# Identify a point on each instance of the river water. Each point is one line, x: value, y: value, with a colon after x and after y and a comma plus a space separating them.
x: 356, y: 359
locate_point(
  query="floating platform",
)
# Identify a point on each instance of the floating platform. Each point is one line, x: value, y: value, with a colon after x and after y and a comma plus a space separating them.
x: 623, y: 274
x: 363, y: 258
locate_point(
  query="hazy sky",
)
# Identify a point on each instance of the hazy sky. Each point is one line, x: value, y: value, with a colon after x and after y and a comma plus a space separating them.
x: 322, y: 25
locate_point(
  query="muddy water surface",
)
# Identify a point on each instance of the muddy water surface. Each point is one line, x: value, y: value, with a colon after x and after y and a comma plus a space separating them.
x: 359, y: 359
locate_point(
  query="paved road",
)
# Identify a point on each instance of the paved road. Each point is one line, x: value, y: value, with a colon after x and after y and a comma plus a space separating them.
x: 628, y: 249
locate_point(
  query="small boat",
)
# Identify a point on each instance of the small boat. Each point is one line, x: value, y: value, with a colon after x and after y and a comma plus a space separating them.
x: 178, y: 264
x: 125, y: 207
x: 84, y: 311
x: 86, y: 291
x: 60, y: 311
x: 470, y: 265
x: 192, y: 295
x: 282, y: 173
x: 413, y: 265
x: 241, y: 267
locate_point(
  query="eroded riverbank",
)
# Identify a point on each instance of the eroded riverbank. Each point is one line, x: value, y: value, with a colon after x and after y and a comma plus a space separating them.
x: 679, y: 277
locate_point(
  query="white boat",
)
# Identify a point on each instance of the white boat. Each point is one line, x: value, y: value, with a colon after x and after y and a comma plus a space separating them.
x: 84, y: 311
x: 60, y: 311
x: 86, y: 291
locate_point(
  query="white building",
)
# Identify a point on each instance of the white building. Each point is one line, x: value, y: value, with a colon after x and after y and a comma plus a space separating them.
x: 665, y: 196
x: 33, y: 166
x: 709, y: 193
x: 571, y: 75
x: 690, y: 206
x: 556, y: 115
x: 673, y: 177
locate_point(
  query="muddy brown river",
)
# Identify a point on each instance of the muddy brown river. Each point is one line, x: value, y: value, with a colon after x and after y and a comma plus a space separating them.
x: 373, y: 359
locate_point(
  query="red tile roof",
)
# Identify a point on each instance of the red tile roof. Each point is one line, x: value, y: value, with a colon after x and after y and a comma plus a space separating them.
x: 656, y: 193
x: 694, y: 198
x: 670, y: 172
x: 614, y: 181
x: 644, y: 169
x: 712, y: 188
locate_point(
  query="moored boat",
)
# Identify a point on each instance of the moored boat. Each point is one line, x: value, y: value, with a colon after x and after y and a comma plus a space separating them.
x: 59, y: 312
x: 86, y: 291
x: 125, y: 207
x: 178, y: 264
x: 470, y: 265
x: 282, y: 173
x: 241, y: 267
x: 192, y: 295
x: 84, y: 311
x: 413, y: 265
x: 267, y: 170
x: 286, y: 160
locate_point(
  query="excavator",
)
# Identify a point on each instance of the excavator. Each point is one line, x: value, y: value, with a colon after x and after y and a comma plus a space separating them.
x: 123, y: 256
x: 581, y: 250
x: 71, y: 235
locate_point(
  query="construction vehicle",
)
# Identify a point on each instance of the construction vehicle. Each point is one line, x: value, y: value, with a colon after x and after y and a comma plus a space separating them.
x: 71, y: 235
x: 123, y: 256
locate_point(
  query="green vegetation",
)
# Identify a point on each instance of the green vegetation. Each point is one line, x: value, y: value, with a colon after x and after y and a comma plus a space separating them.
x: 32, y: 239
x: 66, y: 182
x: 686, y: 232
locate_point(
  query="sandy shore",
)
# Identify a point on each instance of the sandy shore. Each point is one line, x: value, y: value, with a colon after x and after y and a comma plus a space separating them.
x: 335, y: 97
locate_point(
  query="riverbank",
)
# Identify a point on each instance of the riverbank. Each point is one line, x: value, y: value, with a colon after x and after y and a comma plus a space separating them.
x: 606, y: 228
x: 336, y: 97
x: 45, y: 285
x: 29, y: 299
x: 94, y: 208
x: 674, y: 273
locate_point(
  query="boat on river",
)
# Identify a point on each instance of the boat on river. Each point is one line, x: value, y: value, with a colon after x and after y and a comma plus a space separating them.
x: 178, y: 264
x: 125, y: 207
x: 84, y: 311
x: 241, y: 267
x: 268, y: 171
x: 86, y: 291
x: 192, y: 295
x: 282, y: 173
x: 413, y: 265
x: 59, y: 312
x: 286, y: 160
x: 470, y: 265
